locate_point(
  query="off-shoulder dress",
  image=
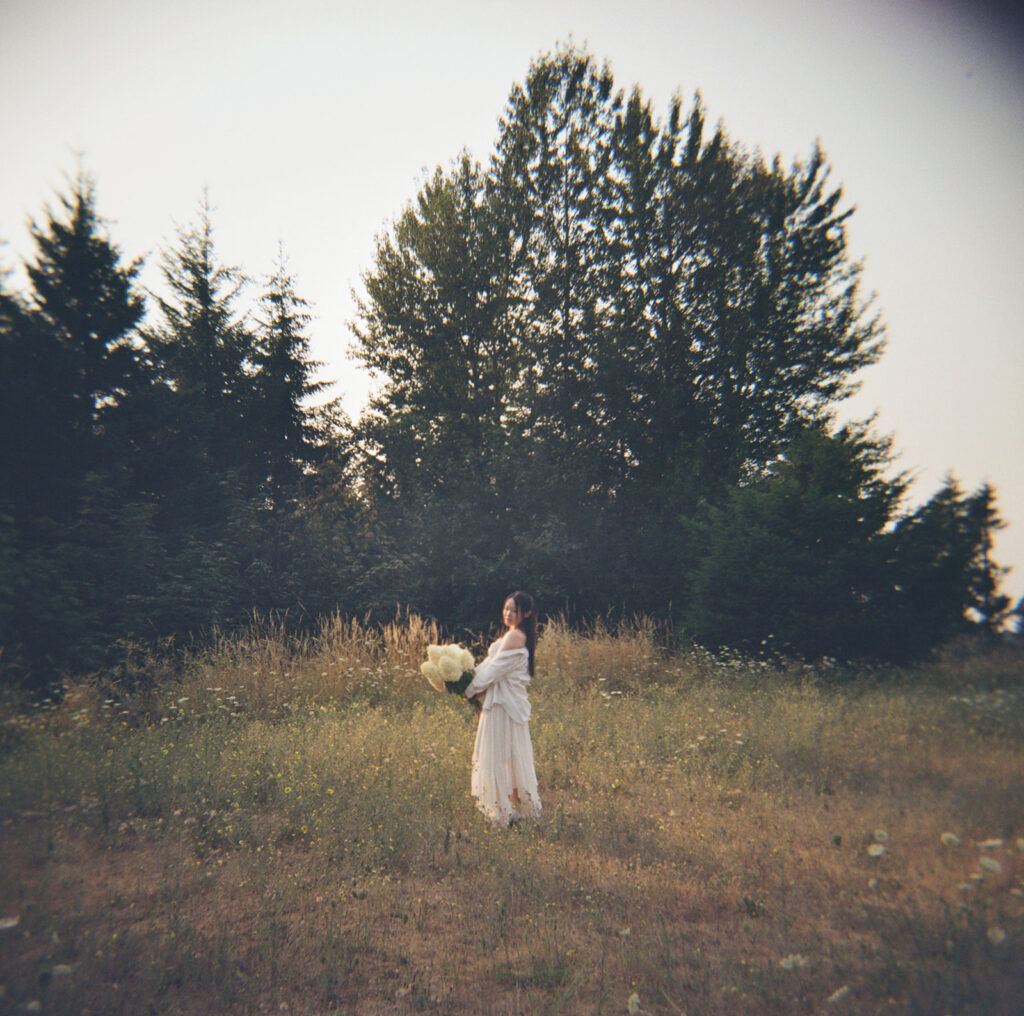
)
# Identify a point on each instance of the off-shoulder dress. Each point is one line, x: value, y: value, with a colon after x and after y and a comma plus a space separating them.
x: 504, y: 781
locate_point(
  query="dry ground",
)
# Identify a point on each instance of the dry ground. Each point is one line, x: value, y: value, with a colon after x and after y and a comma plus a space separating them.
x: 288, y: 829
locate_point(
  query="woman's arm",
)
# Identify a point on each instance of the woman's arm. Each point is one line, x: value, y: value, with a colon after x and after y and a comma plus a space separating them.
x: 493, y: 670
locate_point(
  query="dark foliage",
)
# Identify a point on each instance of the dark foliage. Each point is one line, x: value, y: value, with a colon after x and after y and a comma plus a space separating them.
x: 609, y: 357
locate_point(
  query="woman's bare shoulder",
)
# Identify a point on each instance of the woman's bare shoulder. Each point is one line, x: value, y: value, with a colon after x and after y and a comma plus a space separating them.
x: 514, y: 639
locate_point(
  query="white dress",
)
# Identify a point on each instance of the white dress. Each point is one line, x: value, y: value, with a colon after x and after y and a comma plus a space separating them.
x: 503, y: 753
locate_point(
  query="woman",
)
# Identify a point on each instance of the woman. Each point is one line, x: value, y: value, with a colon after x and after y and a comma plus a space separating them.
x: 504, y: 782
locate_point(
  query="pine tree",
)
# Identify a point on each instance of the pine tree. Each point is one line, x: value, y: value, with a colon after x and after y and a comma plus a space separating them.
x: 798, y: 561
x: 204, y: 357
x: 72, y: 342
x: 284, y: 381
x: 990, y: 607
x: 86, y: 298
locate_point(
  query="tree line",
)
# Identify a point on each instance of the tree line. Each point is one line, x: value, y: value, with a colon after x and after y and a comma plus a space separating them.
x: 610, y: 359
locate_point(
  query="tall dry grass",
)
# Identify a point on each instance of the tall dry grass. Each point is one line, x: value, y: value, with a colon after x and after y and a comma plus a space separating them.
x: 287, y: 824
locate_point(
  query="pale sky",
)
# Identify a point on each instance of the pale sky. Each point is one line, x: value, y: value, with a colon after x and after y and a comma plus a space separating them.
x: 314, y: 123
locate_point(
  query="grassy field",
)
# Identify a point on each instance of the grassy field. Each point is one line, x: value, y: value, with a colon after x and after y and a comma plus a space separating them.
x: 287, y: 828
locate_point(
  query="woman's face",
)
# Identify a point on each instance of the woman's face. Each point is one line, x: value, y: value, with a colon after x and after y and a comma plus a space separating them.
x: 511, y: 614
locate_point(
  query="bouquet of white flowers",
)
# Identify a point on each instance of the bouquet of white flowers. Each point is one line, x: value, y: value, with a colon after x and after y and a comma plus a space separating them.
x: 448, y: 668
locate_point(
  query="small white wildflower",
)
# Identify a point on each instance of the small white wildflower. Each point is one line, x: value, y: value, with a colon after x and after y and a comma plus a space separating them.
x: 793, y: 961
x: 990, y: 864
x: 184, y: 698
x: 876, y: 850
x: 996, y: 935
x: 991, y: 844
x: 950, y: 840
x: 6, y: 923
x: 633, y: 1004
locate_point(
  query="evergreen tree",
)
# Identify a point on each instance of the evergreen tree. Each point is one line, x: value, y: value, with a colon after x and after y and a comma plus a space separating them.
x: 284, y: 382
x: 204, y: 357
x: 73, y: 345
x: 797, y: 561
x: 87, y: 300
x: 990, y: 607
x: 816, y: 558
x: 38, y: 469
x: 944, y: 580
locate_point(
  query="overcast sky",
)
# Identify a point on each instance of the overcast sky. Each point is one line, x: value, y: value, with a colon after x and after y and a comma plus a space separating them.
x: 314, y: 122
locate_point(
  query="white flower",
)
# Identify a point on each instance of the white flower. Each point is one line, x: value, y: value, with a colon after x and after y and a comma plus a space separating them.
x: 994, y: 844
x: 446, y: 663
x: 633, y: 1004
x: 876, y: 850
x: 996, y: 935
x: 433, y: 674
x: 793, y: 962
x: 990, y: 864
x: 950, y: 840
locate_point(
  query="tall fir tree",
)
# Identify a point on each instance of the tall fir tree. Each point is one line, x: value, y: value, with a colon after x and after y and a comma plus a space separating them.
x: 284, y: 380
x: 798, y: 561
x: 990, y: 607
x: 204, y: 356
x: 73, y: 344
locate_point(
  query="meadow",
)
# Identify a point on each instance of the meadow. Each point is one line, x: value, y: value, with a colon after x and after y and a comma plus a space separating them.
x: 284, y: 826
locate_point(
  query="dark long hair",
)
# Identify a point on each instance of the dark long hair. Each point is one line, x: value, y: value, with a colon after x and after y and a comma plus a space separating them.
x: 528, y: 625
